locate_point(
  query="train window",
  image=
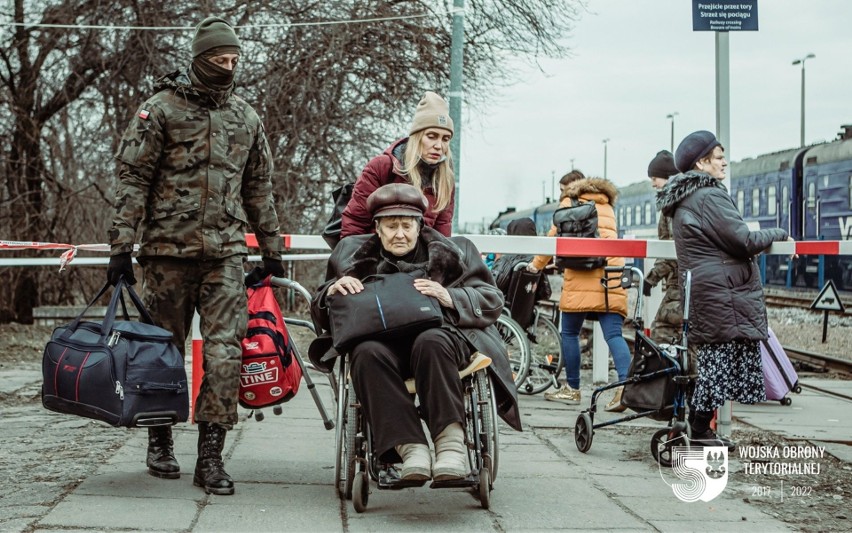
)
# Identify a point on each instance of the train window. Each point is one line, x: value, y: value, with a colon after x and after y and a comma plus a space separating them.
x: 620, y: 217
x: 648, y: 212
x: 771, y: 200
x: 785, y: 199
x: 629, y: 215
x: 638, y: 214
x: 755, y: 202
x: 741, y: 201
x: 850, y: 190
x: 811, y: 195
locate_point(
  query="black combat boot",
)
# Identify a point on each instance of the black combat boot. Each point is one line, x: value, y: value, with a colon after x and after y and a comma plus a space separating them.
x: 161, y: 455
x: 210, y: 469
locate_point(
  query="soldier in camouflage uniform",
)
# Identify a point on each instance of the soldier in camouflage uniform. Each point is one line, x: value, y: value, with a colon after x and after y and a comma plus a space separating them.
x: 667, y: 326
x: 194, y: 177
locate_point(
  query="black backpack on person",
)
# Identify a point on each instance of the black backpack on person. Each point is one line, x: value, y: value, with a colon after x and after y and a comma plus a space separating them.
x: 580, y: 219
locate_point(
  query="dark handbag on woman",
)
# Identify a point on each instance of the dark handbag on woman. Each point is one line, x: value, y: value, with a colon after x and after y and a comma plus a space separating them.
x: 389, y: 307
x: 121, y: 372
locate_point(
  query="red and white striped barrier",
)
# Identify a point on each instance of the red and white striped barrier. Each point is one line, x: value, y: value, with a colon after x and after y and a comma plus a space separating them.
x: 564, y: 246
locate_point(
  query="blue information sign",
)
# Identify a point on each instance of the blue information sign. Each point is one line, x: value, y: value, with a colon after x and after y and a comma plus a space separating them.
x: 724, y: 15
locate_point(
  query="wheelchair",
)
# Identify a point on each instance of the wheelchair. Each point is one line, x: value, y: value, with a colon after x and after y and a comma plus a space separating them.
x: 356, y: 463
x: 543, y: 338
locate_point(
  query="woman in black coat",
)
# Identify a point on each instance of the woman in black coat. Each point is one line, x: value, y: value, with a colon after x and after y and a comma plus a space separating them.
x: 727, y: 312
x: 454, y: 274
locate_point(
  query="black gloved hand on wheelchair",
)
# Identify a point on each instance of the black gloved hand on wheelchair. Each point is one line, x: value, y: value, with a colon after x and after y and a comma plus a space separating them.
x: 271, y: 267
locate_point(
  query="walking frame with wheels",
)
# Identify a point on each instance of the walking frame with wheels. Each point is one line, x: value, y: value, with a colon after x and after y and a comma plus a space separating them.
x: 658, y: 376
x: 356, y: 463
x: 276, y: 409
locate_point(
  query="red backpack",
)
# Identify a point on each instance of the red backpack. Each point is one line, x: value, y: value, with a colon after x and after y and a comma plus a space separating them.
x: 268, y: 373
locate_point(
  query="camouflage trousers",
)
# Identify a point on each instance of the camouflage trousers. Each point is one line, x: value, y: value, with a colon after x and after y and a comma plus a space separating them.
x: 173, y: 290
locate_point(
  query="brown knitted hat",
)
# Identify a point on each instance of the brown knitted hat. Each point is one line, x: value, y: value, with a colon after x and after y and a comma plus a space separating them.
x: 211, y: 33
x: 432, y: 112
x: 397, y: 199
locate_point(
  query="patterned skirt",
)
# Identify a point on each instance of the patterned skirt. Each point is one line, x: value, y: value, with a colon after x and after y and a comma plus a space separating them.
x: 728, y: 371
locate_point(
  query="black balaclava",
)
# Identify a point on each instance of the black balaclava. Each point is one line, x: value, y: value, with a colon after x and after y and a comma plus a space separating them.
x: 211, y: 75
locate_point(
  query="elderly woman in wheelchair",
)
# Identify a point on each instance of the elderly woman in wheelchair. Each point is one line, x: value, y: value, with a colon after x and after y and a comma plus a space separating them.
x: 451, y: 271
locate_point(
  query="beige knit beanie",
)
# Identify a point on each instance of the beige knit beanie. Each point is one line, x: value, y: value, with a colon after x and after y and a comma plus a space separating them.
x: 431, y: 112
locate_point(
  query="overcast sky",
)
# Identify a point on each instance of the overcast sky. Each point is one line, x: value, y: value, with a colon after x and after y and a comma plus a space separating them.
x: 634, y: 62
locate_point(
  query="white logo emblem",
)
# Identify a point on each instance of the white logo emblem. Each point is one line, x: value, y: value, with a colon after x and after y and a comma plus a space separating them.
x: 704, y: 471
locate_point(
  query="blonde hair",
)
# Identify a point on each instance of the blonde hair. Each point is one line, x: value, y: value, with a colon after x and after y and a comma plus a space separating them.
x: 443, y: 180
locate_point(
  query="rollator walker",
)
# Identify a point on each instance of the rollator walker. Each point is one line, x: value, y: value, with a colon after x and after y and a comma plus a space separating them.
x: 657, y: 382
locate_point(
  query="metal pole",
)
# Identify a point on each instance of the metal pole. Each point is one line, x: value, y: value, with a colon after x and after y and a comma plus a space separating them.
x: 671, y: 144
x: 802, y: 117
x: 605, y: 141
x: 672, y: 116
x: 456, y: 92
x: 802, y: 125
x: 723, y: 133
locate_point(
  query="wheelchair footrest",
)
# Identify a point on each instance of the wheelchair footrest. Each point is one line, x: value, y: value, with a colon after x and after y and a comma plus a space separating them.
x: 470, y: 481
x: 390, y: 480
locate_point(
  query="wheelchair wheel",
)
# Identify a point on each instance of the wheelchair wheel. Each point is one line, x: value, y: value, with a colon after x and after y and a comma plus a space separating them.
x: 515, y: 339
x: 662, y: 443
x: 345, y: 430
x: 545, y: 357
x: 361, y: 492
x: 583, y: 432
x: 484, y: 487
x: 488, y: 419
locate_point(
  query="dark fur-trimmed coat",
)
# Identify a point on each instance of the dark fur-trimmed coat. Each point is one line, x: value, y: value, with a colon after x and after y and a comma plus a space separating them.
x: 457, y: 265
x: 715, y: 244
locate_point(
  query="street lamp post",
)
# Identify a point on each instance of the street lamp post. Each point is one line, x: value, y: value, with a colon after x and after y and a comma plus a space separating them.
x: 672, y: 116
x: 605, y: 141
x: 802, y: 125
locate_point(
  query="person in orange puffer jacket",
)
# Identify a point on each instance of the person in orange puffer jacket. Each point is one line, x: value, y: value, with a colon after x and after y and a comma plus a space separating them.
x: 583, y: 296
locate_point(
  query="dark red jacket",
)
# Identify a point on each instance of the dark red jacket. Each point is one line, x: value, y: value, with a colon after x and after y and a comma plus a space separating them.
x: 378, y: 172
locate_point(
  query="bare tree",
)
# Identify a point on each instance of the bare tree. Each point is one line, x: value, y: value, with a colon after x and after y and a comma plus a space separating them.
x: 331, y: 95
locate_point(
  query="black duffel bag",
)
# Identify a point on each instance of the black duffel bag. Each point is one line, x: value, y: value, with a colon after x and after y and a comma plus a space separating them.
x: 122, y: 372
x: 389, y: 307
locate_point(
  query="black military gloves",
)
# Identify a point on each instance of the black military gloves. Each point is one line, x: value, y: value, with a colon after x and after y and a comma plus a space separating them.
x: 646, y: 288
x: 120, y: 265
x: 271, y: 267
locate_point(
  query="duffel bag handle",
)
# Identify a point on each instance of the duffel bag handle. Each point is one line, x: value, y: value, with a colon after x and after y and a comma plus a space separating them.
x: 112, y: 308
x: 117, y: 295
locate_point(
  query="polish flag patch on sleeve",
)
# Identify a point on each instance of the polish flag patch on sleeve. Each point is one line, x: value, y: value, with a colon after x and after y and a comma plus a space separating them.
x: 143, y: 114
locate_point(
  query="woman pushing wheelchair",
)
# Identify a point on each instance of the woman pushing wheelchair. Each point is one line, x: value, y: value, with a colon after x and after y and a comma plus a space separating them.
x: 451, y: 271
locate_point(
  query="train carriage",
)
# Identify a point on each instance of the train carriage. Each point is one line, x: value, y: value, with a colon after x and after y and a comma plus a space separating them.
x: 825, y: 203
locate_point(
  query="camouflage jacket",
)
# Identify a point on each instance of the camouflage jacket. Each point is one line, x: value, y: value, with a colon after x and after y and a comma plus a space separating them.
x: 664, y: 269
x: 670, y: 311
x: 194, y: 176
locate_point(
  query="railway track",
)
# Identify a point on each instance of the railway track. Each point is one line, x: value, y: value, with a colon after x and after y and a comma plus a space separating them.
x: 818, y: 361
x: 800, y: 299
